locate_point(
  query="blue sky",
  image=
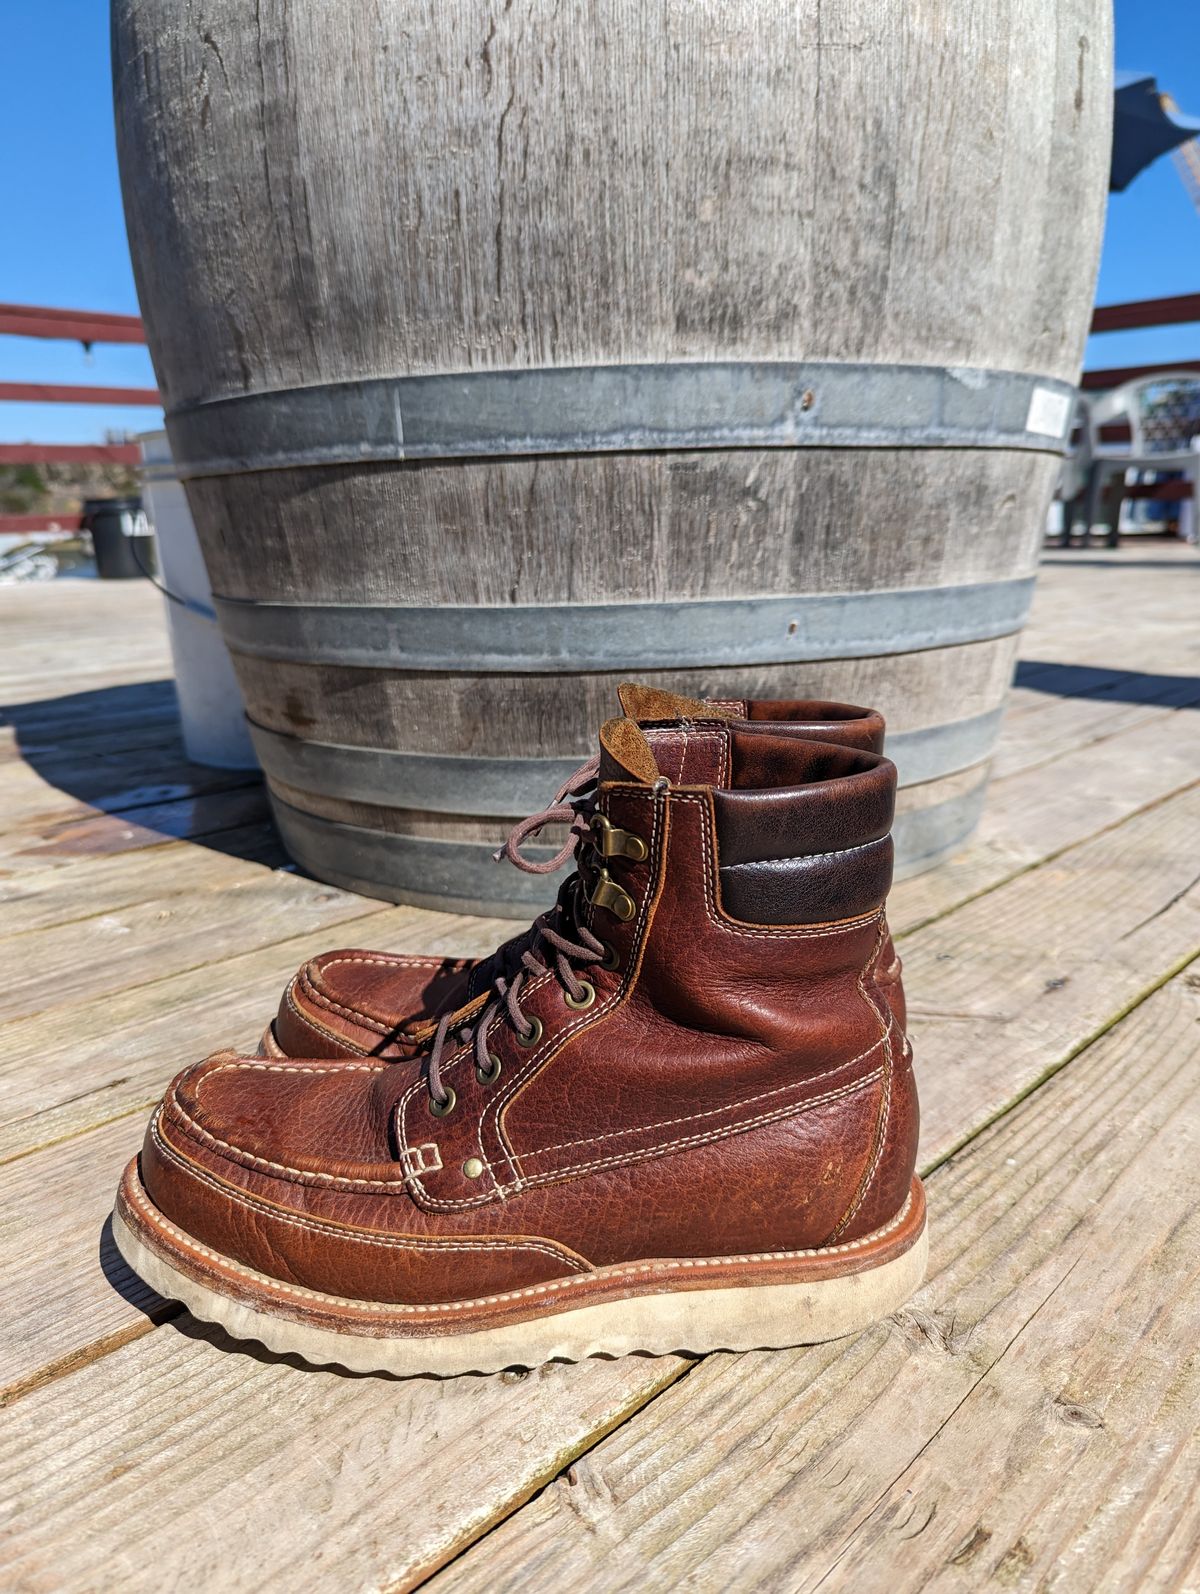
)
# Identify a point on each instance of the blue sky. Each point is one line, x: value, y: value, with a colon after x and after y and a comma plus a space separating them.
x: 67, y: 245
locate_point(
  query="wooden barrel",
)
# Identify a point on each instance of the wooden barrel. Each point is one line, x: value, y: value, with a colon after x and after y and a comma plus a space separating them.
x: 511, y: 352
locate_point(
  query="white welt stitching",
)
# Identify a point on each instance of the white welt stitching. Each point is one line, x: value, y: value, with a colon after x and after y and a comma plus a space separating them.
x: 554, y: 1286
x: 308, y: 1176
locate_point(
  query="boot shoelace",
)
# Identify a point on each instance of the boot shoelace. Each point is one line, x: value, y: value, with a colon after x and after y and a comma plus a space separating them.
x: 553, y: 943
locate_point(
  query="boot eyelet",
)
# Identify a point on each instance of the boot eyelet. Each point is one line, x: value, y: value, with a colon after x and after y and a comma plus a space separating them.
x: 611, y: 959
x: 532, y: 1035
x: 489, y: 1075
x: 445, y: 1108
x: 586, y: 1000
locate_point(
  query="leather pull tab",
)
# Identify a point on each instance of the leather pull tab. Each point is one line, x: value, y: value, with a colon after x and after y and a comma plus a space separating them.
x: 648, y: 703
x: 625, y: 753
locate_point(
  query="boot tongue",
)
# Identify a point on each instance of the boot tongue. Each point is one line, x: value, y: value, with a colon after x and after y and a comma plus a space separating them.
x: 625, y: 754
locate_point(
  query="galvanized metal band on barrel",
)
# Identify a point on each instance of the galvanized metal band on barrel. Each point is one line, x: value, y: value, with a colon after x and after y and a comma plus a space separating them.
x: 622, y: 408
x: 691, y: 633
x: 463, y: 876
x: 924, y: 836
x: 507, y: 788
x: 453, y: 876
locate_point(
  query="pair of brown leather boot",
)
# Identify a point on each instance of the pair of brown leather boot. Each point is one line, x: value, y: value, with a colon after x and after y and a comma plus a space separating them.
x: 677, y: 1113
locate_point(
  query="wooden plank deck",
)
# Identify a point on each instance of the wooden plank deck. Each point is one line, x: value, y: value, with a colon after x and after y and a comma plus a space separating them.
x: 1028, y: 1422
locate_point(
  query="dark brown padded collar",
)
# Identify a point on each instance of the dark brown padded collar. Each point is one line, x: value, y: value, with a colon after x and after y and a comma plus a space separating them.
x: 808, y: 851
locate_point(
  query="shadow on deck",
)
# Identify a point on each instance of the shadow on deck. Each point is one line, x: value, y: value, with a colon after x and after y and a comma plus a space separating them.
x: 119, y: 751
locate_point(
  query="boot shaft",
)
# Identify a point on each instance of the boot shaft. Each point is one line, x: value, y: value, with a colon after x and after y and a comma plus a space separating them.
x: 350, y: 1002
x: 801, y: 830
x: 755, y: 910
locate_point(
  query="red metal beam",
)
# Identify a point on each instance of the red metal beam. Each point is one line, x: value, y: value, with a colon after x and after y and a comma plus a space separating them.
x: 1092, y: 381
x: 70, y: 454
x: 1158, y: 492
x: 47, y: 522
x: 1116, y: 432
x: 1147, y: 313
x: 58, y: 393
x: 81, y: 326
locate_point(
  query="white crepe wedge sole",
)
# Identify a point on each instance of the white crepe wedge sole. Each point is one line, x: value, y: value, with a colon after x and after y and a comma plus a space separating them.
x: 731, y: 1317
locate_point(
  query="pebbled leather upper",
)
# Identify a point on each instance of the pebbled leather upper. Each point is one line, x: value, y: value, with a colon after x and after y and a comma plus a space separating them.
x: 737, y: 1086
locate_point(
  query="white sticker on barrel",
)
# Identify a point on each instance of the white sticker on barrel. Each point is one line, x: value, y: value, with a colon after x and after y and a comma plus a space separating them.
x: 1049, y: 412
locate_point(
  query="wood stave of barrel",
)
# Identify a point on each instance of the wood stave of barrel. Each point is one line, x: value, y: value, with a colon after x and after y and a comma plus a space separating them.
x: 399, y: 774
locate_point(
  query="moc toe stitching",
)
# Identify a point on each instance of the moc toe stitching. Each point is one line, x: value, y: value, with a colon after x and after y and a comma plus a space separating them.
x: 303, y: 986
x: 317, y: 969
x: 357, y: 1234
x: 387, y: 1015
x: 282, y: 1115
x: 322, y: 1034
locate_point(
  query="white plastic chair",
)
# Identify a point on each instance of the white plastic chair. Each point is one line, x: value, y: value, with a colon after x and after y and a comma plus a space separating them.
x: 1163, y: 412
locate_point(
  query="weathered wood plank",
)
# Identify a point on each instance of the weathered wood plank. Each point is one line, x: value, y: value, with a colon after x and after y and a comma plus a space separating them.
x: 85, y: 1063
x: 1037, y: 813
x: 70, y: 834
x: 38, y: 899
x: 126, y: 704
x: 334, y: 1482
x: 1069, y: 722
x: 1027, y: 1422
x: 1006, y: 988
x: 101, y: 735
x: 68, y: 1295
x: 73, y: 783
x: 98, y: 955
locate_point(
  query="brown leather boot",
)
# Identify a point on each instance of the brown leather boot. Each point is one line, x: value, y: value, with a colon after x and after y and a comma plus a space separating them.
x: 352, y: 1002
x: 687, y: 1121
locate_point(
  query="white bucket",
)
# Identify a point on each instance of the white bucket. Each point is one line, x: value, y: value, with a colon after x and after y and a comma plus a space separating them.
x: 210, y: 701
